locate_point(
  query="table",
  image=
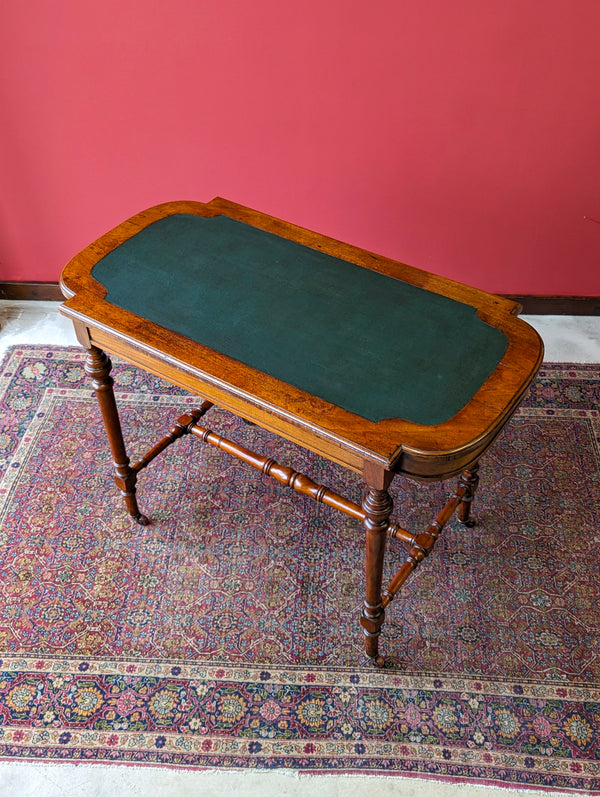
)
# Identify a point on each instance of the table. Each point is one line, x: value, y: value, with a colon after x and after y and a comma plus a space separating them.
x: 383, y: 368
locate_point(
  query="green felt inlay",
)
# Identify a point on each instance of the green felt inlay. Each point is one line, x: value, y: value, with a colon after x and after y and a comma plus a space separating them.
x: 374, y: 345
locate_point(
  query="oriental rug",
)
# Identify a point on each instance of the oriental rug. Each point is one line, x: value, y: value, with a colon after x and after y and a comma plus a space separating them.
x: 225, y: 634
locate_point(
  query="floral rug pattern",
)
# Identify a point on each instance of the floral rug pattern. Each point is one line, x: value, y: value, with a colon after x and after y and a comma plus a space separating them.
x: 225, y: 634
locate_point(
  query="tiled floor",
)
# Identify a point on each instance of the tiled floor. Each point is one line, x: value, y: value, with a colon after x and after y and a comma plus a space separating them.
x: 567, y: 339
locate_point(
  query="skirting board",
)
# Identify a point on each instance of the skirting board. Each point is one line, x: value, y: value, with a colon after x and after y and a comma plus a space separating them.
x: 533, y: 305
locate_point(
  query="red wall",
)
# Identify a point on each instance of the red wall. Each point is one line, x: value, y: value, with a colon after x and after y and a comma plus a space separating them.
x: 462, y: 137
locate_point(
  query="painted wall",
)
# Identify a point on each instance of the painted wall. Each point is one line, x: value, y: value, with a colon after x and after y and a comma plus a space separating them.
x: 462, y: 137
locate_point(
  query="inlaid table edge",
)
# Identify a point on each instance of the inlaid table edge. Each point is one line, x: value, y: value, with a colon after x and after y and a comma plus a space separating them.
x: 394, y: 443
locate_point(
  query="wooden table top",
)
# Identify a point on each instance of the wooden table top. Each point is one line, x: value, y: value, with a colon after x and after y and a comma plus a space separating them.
x: 356, y: 356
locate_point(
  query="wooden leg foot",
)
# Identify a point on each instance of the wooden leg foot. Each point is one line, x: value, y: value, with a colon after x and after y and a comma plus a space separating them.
x: 372, y: 642
x: 142, y: 520
x: 469, y: 479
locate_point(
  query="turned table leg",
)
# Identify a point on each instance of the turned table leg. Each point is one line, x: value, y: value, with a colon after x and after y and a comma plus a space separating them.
x: 469, y: 479
x: 98, y: 367
x: 377, y: 506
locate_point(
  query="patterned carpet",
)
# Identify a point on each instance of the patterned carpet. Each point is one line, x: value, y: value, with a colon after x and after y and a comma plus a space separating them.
x: 225, y: 634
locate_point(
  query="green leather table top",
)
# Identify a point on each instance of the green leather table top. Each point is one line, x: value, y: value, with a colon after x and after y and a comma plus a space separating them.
x: 372, y: 344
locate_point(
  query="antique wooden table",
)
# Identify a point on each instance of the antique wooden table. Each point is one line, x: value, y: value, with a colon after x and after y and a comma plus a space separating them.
x: 378, y: 366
